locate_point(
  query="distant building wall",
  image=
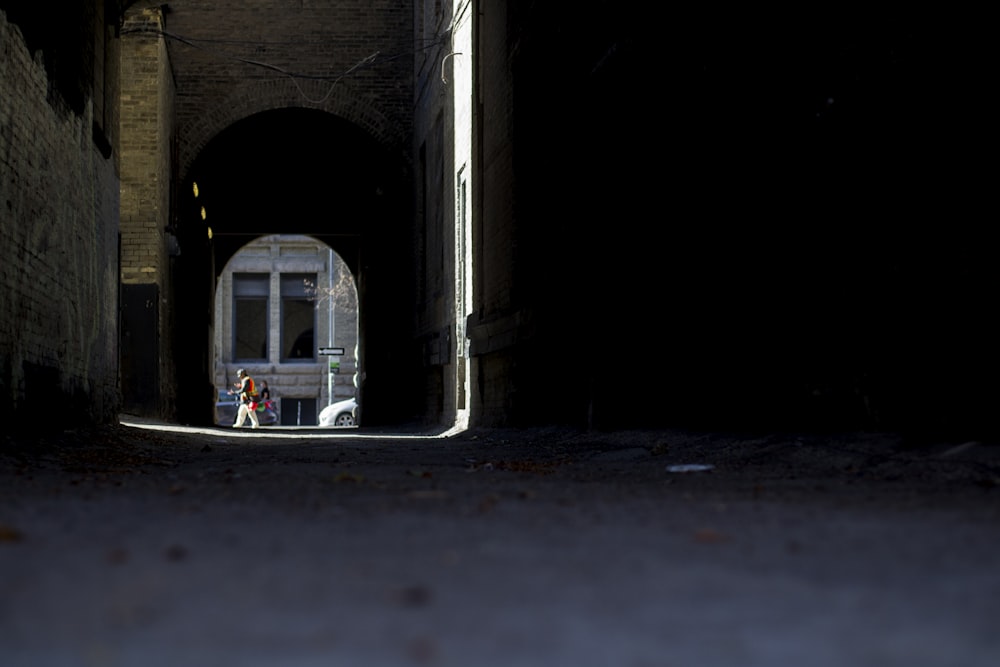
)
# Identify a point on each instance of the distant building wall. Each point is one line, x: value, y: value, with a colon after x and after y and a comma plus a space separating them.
x: 58, y: 218
x: 277, y: 255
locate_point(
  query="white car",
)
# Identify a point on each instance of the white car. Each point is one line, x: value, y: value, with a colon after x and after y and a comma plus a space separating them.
x: 341, y: 413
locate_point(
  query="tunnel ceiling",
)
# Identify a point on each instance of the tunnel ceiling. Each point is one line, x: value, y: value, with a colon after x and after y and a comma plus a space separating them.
x: 288, y: 171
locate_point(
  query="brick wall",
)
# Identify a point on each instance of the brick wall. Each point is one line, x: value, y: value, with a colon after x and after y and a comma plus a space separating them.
x: 145, y: 151
x: 58, y: 244
x: 146, y: 135
x: 350, y: 58
x: 193, y: 70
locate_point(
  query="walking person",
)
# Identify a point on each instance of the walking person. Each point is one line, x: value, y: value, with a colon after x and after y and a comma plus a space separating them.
x: 248, y: 400
x: 265, y: 395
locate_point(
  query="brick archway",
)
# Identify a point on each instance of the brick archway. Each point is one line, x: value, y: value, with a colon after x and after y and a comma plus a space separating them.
x: 255, y: 97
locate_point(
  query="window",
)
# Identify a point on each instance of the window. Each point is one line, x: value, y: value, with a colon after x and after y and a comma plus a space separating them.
x: 298, y: 317
x: 250, y: 299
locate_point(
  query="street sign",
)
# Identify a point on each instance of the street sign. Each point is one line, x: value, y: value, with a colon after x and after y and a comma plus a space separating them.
x: 331, y: 350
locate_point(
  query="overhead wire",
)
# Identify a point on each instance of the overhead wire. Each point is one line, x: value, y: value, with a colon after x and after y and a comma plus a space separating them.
x: 374, y: 59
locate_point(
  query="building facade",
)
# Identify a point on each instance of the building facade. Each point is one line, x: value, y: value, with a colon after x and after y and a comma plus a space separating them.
x: 286, y: 311
x: 745, y: 225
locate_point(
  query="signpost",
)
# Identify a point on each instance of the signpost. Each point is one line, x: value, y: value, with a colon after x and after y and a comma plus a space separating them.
x: 333, y: 367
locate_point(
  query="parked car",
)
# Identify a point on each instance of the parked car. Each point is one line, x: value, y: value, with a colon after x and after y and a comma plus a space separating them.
x: 341, y: 413
x: 228, y: 404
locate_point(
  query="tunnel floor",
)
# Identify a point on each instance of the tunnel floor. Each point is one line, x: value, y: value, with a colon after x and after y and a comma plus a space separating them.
x: 155, y: 545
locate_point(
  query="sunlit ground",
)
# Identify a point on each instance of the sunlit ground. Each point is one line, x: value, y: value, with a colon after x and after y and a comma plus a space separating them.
x: 294, y: 432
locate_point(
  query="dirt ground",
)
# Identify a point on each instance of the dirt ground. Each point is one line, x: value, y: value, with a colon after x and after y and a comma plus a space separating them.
x: 145, y: 544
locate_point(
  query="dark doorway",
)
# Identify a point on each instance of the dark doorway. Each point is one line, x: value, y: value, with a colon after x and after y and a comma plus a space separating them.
x: 140, y: 348
x: 298, y: 412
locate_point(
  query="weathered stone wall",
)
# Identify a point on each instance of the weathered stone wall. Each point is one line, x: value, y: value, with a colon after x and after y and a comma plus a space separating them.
x: 58, y: 231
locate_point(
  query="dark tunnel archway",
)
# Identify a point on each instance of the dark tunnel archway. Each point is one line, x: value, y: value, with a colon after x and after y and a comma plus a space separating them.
x: 294, y: 171
x: 291, y: 169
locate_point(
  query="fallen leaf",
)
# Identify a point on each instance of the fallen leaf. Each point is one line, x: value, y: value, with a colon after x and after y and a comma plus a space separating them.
x: 709, y: 536
x: 8, y: 534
